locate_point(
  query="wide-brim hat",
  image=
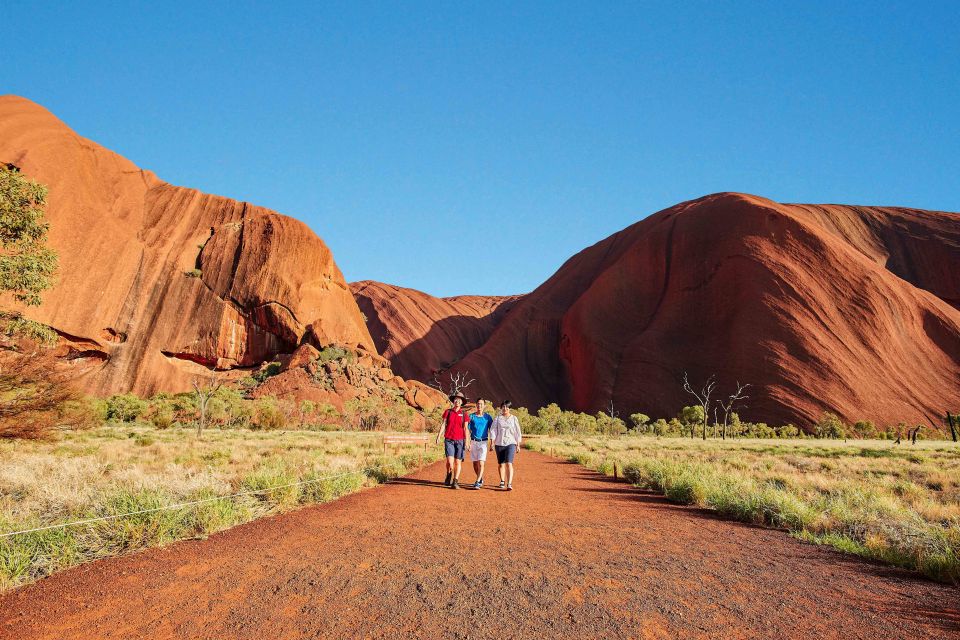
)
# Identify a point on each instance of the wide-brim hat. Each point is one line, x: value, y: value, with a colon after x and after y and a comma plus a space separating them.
x: 454, y: 396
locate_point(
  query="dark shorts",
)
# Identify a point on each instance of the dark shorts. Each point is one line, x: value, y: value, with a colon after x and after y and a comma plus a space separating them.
x: 505, y: 454
x: 453, y: 448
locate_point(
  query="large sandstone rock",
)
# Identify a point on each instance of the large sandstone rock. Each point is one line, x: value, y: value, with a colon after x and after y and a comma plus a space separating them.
x: 159, y: 283
x: 820, y: 307
x: 421, y: 334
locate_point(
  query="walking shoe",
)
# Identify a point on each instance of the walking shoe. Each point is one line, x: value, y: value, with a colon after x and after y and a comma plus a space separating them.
x: 478, y: 484
x: 510, y: 487
x: 448, y: 479
x: 502, y: 484
x: 456, y: 484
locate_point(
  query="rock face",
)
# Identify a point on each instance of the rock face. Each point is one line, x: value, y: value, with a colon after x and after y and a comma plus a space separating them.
x: 158, y: 283
x: 819, y: 307
x: 351, y: 375
x: 421, y: 334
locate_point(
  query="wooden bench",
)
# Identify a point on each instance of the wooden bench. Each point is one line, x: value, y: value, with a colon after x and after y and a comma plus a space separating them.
x: 398, y: 439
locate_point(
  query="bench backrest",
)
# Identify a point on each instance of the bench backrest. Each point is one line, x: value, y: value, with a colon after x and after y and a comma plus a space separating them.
x: 406, y: 438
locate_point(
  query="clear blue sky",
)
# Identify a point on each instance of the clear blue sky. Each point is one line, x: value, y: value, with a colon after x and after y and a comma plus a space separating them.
x: 473, y: 147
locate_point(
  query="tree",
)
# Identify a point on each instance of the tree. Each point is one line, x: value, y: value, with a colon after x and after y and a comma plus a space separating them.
x: 831, y: 426
x: 728, y: 406
x: 456, y: 383
x: 639, y: 420
x: 35, y: 396
x: 204, y: 392
x: 691, y: 417
x: 27, y: 265
x: 702, y: 396
x: 125, y: 407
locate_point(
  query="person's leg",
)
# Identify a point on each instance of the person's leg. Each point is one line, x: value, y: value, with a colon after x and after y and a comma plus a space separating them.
x: 511, y: 451
x: 458, y: 462
x: 449, y: 452
x: 479, y: 467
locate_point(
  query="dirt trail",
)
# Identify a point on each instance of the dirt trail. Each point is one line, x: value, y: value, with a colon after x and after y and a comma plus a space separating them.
x: 568, y: 554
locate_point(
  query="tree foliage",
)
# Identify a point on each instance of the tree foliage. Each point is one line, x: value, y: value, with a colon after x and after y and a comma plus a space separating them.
x: 27, y: 264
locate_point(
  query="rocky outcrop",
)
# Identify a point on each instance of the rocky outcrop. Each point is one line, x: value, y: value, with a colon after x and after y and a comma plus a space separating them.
x: 819, y: 307
x: 421, y: 334
x: 338, y: 376
x: 159, y: 283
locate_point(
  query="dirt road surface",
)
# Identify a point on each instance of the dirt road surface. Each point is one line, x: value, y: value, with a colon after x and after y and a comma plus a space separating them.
x: 567, y: 554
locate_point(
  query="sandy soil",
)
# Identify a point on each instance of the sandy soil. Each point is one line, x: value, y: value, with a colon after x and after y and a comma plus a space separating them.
x: 567, y: 554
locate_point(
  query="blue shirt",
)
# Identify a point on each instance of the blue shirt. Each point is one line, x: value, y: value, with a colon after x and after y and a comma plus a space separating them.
x: 480, y: 425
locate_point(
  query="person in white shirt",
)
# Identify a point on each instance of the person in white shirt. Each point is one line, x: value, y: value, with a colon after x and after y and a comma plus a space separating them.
x: 506, y: 439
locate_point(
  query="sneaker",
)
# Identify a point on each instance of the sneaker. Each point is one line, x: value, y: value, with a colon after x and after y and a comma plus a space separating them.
x: 456, y: 484
x: 446, y: 482
x: 510, y: 487
x: 502, y: 484
x: 478, y: 484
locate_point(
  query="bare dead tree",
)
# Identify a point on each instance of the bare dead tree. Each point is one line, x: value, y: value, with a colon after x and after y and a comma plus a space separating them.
x: 612, y: 411
x: 456, y: 382
x: 728, y: 406
x: 702, y: 396
x: 204, y: 392
x: 954, y: 422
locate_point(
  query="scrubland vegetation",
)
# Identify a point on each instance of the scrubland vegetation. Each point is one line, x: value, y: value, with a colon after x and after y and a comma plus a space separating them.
x: 896, y: 504
x: 122, y: 468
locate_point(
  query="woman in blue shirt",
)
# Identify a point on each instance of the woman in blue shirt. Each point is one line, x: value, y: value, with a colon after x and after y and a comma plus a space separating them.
x: 479, y: 439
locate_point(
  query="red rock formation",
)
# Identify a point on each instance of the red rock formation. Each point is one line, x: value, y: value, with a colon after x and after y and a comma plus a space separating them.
x: 421, y: 334
x: 158, y: 283
x: 819, y: 307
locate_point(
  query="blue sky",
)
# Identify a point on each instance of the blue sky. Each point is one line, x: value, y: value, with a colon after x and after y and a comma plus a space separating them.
x: 473, y: 147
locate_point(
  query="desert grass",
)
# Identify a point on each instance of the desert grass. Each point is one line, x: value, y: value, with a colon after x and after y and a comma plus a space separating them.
x: 121, y: 469
x: 899, y: 504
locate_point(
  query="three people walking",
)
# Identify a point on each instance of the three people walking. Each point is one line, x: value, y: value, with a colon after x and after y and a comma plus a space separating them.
x: 484, y: 431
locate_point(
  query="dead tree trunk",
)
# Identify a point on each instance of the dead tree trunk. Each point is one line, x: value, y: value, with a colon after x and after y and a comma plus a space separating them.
x: 204, y: 393
x: 703, y: 399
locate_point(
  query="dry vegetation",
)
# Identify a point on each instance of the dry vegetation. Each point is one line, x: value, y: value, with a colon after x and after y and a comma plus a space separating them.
x: 895, y: 503
x: 118, y: 469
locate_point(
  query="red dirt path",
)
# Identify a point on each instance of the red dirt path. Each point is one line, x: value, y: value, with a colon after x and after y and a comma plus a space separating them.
x: 568, y: 554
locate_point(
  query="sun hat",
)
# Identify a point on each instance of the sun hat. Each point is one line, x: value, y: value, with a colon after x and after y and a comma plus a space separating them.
x: 454, y: 396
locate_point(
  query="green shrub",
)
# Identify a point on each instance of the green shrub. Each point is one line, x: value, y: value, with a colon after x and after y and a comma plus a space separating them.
x: 830, y: 426
x: 336, y: 352
x: 125, y: 407
x: 267, y: 415
x: 17, y: 325
x: 267, y: 371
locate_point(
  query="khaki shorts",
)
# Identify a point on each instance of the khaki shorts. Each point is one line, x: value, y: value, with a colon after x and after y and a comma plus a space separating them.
x: 478, y: 451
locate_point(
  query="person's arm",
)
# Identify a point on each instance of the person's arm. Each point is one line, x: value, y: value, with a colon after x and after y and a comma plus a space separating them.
x: 490, y: 434
x: 516, y: 421
x: 443, y: 420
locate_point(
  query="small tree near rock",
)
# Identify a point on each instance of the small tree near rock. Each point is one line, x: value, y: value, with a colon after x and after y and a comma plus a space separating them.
x: 204, y: 391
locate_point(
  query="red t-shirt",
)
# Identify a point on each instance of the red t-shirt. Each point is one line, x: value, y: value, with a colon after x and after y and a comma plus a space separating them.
x: 456, y: 424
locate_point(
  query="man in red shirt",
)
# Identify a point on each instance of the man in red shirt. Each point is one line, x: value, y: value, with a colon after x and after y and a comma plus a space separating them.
x: 453, y: 426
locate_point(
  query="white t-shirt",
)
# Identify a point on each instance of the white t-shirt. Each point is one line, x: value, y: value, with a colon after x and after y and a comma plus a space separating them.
x: 506, y: 430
